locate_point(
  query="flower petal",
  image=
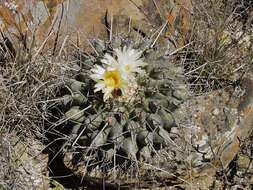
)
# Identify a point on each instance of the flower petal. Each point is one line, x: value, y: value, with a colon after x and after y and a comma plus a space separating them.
x: 99, y: 86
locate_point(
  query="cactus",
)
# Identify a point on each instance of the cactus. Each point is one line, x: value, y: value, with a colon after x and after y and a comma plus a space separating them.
x: 118, y: 129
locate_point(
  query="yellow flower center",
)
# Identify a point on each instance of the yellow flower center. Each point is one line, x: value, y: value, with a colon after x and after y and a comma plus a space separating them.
x: 112, y: 79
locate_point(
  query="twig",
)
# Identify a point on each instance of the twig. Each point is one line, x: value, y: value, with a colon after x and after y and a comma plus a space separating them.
x: 179, y: 49
x: 62, y: 46
x: 111, y: 28
x: 163, y: 27
x: 58, y: 30
x: 154, y: 1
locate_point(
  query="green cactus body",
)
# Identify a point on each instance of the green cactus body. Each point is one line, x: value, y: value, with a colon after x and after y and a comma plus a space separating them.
x: 124, y: 129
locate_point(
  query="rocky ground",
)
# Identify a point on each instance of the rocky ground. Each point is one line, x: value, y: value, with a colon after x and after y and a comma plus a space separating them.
x: 204, y: 141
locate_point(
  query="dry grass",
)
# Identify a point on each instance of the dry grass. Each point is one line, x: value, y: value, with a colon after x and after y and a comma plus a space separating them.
x: 23, y: 84
x: 220, y: 52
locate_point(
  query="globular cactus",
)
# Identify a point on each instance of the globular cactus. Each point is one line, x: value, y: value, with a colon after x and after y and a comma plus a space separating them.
x: 123, y: 127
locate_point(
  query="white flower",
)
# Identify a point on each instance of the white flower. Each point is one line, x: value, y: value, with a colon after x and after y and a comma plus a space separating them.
x: 118, y: 74
x: 130, y: 62
x: 110, y: 61
x: 108, y: 80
